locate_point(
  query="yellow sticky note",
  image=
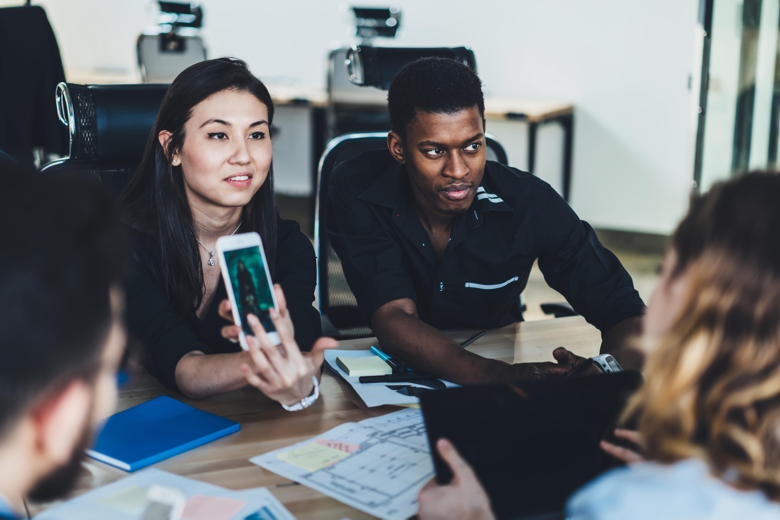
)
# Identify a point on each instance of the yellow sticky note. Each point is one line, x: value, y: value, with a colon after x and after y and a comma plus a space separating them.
x: 312, y: 457
x: 364, y: 366
x: 130, y: 500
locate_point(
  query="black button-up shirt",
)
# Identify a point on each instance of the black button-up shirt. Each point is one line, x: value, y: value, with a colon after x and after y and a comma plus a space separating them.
x: 515, y: 218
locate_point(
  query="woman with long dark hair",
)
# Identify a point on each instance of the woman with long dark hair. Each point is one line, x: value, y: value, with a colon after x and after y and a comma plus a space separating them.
x: 206, y: 173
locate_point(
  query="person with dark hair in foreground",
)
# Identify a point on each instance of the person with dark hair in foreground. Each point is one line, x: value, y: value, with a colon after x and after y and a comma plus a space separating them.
x: 709, y: 410
x: 61, y: 331
x: 433, y: 236
x: 207, y: 172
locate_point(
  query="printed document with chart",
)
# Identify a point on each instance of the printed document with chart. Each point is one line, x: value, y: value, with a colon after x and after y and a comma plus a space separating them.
x: 377, y: 466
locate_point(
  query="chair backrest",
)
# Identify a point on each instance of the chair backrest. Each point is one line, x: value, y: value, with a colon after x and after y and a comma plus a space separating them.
x: 358, y: 78
x: 161, y: 57
x: 109, y: 127
x: 369, y: 66
x: 337, y: 303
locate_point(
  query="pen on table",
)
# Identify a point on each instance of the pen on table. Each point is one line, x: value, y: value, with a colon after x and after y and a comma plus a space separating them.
x: 397, y: 367
x: 472, y: 339
x: 391, y: 378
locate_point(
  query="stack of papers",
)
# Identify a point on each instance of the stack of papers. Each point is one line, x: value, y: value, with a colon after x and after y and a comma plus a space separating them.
x: 373, y: 394
x: 377, y: 466
x: 126, y: 500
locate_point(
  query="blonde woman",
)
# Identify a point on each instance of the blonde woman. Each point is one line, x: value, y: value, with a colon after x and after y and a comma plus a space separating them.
x: 709, y: 412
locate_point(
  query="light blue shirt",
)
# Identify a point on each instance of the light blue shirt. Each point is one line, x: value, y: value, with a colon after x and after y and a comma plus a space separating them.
x: 6, y: 511
x: 650, y: 491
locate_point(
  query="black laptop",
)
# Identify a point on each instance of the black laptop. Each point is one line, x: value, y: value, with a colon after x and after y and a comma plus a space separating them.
x: 530, y: 443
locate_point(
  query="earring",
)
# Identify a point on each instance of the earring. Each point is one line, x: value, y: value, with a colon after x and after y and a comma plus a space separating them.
x: 175, y: 161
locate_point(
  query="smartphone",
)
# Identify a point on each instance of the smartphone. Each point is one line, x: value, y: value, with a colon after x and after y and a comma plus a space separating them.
x: 248, y: 282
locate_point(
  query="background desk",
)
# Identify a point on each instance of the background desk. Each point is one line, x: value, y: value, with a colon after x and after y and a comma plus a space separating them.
x: 265, y: 426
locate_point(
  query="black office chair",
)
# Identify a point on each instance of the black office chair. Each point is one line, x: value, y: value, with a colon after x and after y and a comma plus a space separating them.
x: 338, y: 306
x: 109, y: 126
x: 358, y: 76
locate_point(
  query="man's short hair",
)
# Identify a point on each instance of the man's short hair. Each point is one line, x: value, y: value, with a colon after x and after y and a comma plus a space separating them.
x: 62, y: 248
x: 434, y: 85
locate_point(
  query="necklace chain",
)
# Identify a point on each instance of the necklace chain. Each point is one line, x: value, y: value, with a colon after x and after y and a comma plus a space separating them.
x: 211, y: 253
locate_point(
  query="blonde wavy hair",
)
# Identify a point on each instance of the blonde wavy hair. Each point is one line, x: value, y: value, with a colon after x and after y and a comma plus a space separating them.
x: 712, y: 387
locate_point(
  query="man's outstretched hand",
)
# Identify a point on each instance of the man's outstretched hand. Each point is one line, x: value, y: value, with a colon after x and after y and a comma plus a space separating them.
x: 566, y: 361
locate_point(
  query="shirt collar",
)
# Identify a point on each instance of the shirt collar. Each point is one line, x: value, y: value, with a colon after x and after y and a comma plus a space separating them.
x: 387, y: 189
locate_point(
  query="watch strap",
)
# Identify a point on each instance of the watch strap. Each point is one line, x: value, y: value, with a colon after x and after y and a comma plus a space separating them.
x: 306, y: 401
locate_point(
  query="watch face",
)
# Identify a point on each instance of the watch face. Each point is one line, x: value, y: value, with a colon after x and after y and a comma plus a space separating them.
x: 607, y: 364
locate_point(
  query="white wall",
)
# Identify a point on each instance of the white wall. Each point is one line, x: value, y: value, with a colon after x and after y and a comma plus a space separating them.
x: 623, y: 63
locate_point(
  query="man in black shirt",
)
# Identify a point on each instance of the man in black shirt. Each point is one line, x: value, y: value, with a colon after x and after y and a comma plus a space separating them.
x: 433, y: 236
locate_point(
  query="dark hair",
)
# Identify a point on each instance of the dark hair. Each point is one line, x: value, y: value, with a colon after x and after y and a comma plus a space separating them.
x: 64, y: 248
x: 737, y: 216
x: 435, y: 85
x: 154, y: 200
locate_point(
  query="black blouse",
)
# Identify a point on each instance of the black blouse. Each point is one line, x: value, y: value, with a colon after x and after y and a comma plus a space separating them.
x: 167, y: 336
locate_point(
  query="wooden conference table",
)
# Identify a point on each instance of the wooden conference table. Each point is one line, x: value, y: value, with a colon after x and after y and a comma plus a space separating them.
x: 265, y: 426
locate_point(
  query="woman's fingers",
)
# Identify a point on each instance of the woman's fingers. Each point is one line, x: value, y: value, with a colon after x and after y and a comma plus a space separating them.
x: 257, y: 329
x: 631, y: 436
x: 263, y: 365
x: 286, y: 336
x: 624, y: 454
x: 317, y: 355
x: 285, y: 370
x: 225, y: 310
x: 253, y: 379
x: 231, y: 332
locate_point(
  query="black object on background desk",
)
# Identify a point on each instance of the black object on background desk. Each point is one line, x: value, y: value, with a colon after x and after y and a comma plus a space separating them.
x: 531, y: 443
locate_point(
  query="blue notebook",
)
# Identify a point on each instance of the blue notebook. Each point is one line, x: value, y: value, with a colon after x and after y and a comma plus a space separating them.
x: 155, y: 431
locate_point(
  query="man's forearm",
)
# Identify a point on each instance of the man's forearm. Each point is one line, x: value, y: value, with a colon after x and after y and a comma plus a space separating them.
x: 431, y: 351
x: 622, y: 341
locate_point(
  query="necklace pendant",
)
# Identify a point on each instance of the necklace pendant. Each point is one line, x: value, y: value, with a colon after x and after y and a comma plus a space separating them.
x: 211, y: 261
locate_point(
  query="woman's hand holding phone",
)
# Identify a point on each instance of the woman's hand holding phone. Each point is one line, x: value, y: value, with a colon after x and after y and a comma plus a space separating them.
x: 282, y: 372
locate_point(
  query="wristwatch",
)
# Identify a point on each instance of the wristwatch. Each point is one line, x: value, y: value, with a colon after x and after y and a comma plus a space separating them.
x: 306, y: 401
x: 607, y: 363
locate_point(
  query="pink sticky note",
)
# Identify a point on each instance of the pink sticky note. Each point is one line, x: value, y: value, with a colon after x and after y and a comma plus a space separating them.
x: 336, y: 445
x: 202, y: 507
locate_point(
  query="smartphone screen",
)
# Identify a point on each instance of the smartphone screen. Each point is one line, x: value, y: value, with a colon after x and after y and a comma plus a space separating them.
x: 250, y: 286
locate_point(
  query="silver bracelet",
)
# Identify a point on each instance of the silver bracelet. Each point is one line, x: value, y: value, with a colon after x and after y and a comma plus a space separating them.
x: 306, y: 401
